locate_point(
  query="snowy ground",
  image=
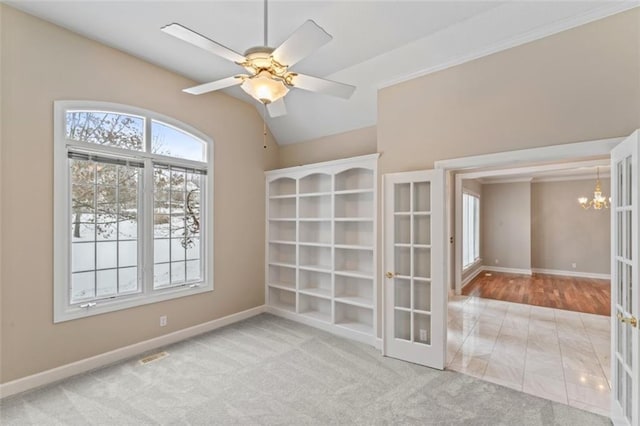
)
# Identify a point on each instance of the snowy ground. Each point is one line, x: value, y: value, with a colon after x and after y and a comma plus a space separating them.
x: 106, y: 261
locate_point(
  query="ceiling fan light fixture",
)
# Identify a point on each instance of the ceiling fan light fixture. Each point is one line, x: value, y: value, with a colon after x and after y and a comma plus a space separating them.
x: 264, y: 87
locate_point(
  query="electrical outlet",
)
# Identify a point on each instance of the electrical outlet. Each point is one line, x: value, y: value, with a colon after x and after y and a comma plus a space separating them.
x: 497, y: 261
x: 163, y: 321
x: 423, y: 335
x: 574, y: 265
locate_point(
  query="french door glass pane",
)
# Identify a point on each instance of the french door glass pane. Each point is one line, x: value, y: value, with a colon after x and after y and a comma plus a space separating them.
x: 402, y: 293
x: 421, y: 196
x: 402, y: 325
x: 402, y: 195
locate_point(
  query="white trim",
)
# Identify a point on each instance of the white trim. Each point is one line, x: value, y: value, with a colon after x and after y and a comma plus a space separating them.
x: 369, y: 339
x: 306, y: 167
x: 527, y: 37
x: 571, y: 178
x: 568, y: 151
x: 518, y: 271
x: 78, y: 367
x: 470, y: 277
x: 541, y: 179
x: 517, y: 162
x: 571, y: 273
x: 63, y: 311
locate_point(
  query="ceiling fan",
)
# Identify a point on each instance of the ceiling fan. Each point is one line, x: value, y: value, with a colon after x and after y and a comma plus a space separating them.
x: 268, y: 79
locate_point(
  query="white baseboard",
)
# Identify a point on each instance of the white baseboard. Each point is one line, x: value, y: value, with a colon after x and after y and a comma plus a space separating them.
x: 471, y: 276
x: 64, y: 371
x: 507, y: 270
x: 572, y: 273
x: 331, y: 328
x: 378, y: 344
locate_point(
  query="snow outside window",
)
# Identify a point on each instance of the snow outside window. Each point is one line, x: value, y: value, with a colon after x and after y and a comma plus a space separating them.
x: 132, y: 197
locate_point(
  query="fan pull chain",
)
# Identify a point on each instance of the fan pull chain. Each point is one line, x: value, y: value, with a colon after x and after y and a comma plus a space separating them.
x: 264, y: 127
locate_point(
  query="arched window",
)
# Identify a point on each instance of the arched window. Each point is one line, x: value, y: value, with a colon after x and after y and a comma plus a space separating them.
x: 133, y: 213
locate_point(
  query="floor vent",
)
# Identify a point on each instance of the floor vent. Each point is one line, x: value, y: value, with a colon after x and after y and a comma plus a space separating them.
x: 488, y: 274
x: 153, y: 357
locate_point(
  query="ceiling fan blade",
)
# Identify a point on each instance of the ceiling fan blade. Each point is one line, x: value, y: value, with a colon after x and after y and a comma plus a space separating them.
x: 192, y: 37
x: 307, y: 38
x: 320, y: 85
x: 214, y: 85
x: 277, y: 108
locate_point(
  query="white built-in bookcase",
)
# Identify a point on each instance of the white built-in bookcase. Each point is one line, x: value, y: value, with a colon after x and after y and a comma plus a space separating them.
x: 321, y: 245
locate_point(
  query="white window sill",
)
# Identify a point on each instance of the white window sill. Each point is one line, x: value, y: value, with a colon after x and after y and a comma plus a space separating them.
x: 126, y: 302
x: 473, y: 265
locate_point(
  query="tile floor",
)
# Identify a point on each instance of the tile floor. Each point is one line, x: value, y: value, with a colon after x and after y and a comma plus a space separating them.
x: 551, y: 353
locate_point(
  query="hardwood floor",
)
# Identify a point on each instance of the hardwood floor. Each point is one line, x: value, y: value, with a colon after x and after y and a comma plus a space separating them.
x: 569, y: 293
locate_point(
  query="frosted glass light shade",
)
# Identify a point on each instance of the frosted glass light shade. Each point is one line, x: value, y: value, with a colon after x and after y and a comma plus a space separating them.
x: 264, y: 87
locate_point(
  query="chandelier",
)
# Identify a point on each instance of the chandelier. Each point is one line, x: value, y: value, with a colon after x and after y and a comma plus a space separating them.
x: 599, y: 201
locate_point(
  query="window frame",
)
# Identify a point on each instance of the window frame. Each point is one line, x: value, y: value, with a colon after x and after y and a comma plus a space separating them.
x: 63, y: 310
x: 476, y: 240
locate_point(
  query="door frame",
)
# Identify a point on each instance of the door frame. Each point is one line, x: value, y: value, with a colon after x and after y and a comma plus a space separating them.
x: 457, y: 203
x: 453, y: 168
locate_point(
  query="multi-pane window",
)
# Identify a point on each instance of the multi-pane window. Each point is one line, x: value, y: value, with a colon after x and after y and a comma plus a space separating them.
x: 135, y: 190
x: 470, y: 229
x: 176, y: 226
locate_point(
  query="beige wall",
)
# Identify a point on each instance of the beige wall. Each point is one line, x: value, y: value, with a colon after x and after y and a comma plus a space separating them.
x: 42, y: 63
x: 343, y: 145
x: 562, y: 233
x: 581, y: 84
x: 506, y: 225
x: 578, y: 85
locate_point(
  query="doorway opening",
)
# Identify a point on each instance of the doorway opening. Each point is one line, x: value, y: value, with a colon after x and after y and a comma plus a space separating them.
x: 515, y: 318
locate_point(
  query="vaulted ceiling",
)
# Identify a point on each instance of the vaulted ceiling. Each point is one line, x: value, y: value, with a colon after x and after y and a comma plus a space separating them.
x: 375, y: 43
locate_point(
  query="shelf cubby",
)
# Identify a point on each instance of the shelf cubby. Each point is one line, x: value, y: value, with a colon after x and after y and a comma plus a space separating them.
x: 315, y: 232
x: 282, y: 208
x: 315, y: 283
x: 282, y: 253
x: 315, y: 307
x: 321, y: 245
x: 282, y: 299
x: 353, y: 179
x: 354, y: 233
x: 282, y: 186
x: 316, y: 207
x: 282, y: 231
x: 355, y: 318
x: 355, y: 291
x: 315, y: 183
x: 282, y: 277
x: 316, y: 258
x: 358, y: 262
x: 357, y: 205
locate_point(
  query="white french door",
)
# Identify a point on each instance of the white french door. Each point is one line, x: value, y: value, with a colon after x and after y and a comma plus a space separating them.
x: 625, y: 276
x: 414, y: 287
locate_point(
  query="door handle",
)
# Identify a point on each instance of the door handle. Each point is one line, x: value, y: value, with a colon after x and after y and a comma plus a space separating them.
x: 390, y: 274
x: 631, y: 320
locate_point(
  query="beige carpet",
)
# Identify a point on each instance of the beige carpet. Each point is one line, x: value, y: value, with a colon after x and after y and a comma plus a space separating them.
x: 267, y: 370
